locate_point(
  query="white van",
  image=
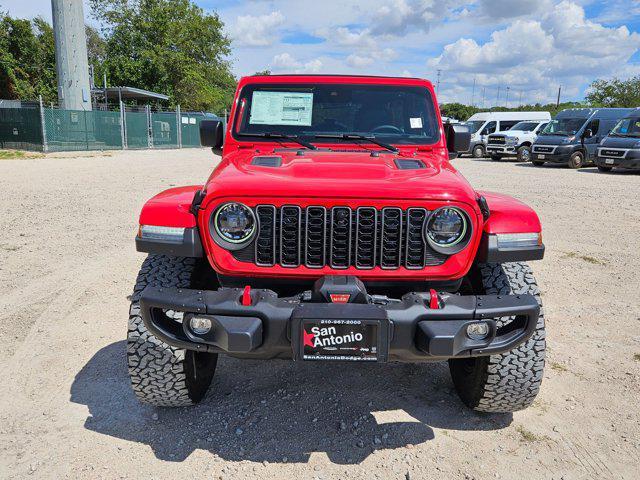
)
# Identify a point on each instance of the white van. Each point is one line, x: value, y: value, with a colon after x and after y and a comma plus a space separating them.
x: 484, y: 123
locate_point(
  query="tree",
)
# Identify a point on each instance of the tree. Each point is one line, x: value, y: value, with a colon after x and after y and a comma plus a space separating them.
x: 458, y: 111
x: 27, y: 59
x: 168, y: 46
x: 615, y: 93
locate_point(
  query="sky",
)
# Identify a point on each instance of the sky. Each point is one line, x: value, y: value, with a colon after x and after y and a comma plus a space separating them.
x: 489, y: 52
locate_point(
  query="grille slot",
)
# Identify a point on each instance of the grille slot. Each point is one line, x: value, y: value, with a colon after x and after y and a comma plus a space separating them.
x: 366, y: 237
x: 391, y: 232
x: 341, y: 237
x: 265, y: 254
x: 316, y: 236
x: 290, y: 227
x: 415, y: 247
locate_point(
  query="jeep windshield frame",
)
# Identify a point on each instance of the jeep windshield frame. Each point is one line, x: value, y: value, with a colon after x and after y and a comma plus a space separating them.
x: 402, y: 115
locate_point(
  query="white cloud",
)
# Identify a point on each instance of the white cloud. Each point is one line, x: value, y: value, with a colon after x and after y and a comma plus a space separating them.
x: 561, y: 47
x: 257, y: 31
x: 400, y: 16
x: 286, y: 63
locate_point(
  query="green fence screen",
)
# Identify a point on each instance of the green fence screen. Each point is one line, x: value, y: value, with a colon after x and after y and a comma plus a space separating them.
x: 190, y: 125
x: 20, y: 128
x: 79, y: 130
x: 165, y: 130
x: 137, y: 130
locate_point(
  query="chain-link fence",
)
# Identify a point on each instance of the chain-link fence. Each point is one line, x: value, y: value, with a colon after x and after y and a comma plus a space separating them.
x: 35, y: 127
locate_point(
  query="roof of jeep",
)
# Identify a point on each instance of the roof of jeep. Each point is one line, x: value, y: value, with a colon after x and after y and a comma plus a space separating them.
x: 299, y: 77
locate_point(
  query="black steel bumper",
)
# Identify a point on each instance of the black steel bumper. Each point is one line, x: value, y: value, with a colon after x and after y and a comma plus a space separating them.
x: 263, y: 328
x: 629, y: 162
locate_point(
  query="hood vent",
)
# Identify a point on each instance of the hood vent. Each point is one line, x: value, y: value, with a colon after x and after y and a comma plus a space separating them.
x: 267, y: 161
x: 404, y: 164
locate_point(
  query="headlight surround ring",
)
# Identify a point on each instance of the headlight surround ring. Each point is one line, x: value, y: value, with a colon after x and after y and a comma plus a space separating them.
x: 224, y: 239
x: 459, y: 242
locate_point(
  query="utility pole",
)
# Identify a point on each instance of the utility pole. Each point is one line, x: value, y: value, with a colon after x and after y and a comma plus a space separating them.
x: 520, y: 102
x: 473, y: 92
x: 484, y: 90
x: 559, y: 91
x: 498, y: 97
x: 72, y: 65
x: 506, y: 102
x: 438, y: 82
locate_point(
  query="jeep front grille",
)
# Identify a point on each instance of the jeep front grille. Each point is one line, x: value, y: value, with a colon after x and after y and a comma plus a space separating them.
x: 341, y: 237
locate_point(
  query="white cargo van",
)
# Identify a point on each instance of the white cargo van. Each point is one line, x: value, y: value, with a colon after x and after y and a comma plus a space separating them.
x: 484, y: 123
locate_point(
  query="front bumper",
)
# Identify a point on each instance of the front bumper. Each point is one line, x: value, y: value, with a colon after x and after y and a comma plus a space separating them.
x: 502, y: 149
x: 630, y: 161
x: 560, y: 154
x: 261, y: 325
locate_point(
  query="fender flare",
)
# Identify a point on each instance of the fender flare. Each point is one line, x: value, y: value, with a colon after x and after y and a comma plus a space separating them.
x: 171, y: 208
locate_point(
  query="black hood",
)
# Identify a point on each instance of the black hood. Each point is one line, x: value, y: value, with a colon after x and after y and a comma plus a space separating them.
x: 554, y: 140
x: 619, y: 142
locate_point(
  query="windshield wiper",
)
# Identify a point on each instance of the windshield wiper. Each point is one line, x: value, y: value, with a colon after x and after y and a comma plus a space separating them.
x: 282, y: 136
x: 356, y: 136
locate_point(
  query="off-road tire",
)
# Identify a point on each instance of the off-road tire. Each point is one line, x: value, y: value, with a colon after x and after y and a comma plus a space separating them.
x: 537, y: 163
x: 604, y: 169
x: 478, y: 151
x: 496, y: 158
x: 162, y: 375
x: 522, y: 156
x: 576, y: 160
x: 509, y: 381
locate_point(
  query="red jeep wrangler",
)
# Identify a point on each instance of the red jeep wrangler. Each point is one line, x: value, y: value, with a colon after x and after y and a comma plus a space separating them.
x: 335, y: 229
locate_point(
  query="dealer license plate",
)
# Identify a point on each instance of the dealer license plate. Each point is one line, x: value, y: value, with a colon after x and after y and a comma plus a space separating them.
x: 540, y: 156
x: 609, y: 161
x: 343, y: 339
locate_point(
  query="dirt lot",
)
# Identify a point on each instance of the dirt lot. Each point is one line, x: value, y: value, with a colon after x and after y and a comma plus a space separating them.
x: 67, y: 265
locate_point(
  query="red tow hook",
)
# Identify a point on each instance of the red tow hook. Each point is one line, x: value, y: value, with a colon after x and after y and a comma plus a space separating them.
x: 434, y: 302
x: 246, y: 296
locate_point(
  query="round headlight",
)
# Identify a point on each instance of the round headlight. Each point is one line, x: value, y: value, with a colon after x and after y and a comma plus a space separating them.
x: 234, y: 223
x: 446, y: 229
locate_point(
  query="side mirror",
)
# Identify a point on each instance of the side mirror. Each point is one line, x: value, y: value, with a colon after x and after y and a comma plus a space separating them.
x: 211, y: 134
x: 588, y: 133
x: 458, y: 138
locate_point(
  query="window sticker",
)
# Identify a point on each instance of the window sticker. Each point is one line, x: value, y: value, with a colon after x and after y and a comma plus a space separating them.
x: 281, y: 108
x: 415, y: 122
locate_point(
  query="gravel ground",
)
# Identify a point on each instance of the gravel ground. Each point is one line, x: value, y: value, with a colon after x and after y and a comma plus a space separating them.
x: 67, y: 266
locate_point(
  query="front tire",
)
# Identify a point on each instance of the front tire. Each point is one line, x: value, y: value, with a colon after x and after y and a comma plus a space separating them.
x: 576, y: 160
x: 524, y: 153
x: 496, y: 158
x: 162, y: 375
x: 604, y: 169
x: 509, y: 381
x: 478, y: 151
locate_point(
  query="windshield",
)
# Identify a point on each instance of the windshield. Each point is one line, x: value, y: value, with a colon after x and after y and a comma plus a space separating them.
x: 475, y: 125
x: 563, y: 126
x: 525, y: 126
x: 392, y: 114
x: 627, y: 127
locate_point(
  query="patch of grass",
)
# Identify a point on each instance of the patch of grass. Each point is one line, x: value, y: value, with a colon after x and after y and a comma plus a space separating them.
x: 558, y: 367
x: 584, y: 258
x: 527, y: 435
x: 636, y: 357
x: 15, y: 154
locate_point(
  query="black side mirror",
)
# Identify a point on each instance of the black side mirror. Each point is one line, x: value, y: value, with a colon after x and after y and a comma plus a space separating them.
x: 588, y: 133
x: 211, y: 134
x: 458, y: 138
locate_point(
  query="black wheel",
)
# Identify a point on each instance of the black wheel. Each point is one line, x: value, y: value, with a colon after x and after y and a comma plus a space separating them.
x: 537, y: 163
x: 509, y: 381
x: 603, y: 168
x: 162, y: 375
x: 524, y: 153
x: 495, y: 158
x: 576, y: 160
x: 478, y: 151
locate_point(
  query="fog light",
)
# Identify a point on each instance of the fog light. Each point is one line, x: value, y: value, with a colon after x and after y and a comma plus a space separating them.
x: 478, y: 331
x: 200, y: 325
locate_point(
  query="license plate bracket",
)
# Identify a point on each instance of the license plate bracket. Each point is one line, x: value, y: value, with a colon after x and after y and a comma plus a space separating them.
x: 348, y: 332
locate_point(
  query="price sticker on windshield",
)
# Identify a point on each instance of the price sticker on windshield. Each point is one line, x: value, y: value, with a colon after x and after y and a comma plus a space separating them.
x: 415, y: 122
x: 281, y: 108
